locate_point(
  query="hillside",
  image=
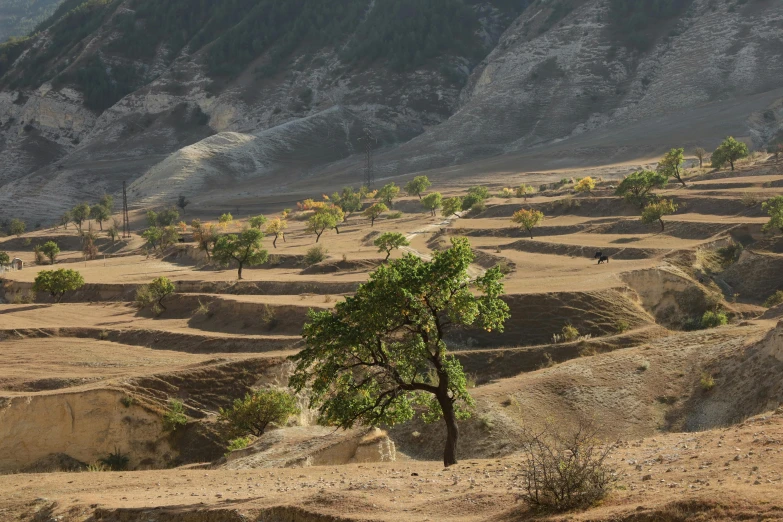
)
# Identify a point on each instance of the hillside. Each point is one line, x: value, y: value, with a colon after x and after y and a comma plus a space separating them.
x: 19, y: 17
x: 177, y: 100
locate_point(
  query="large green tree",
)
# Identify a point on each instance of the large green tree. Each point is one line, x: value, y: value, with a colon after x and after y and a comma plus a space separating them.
x: 417, y: 186
x: 671, y: 163
x: 636, y: 187
x: 245, y: 249
x: 432, y: 202
x: 382, y: 353
x: 325, y: 218
x: 774, y: 207
x: 728, y: 152
x: 51, y: 250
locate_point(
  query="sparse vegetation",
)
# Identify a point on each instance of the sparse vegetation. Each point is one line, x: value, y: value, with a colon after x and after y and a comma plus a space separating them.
x: 116, y: 461
x: 523, y: 191
x: 713, y: 319
x: 774, y: 300
x: 586, y: 184
x: 257, y: 221
x: 17, y: 227
x: 174, y: 417
x: 707, y: 381
x: 375, y: 375
x: 253, y: 414
x: 58, y: 282
x: 700, y: 154
x: 315, y: 255
x: 239, y: 443
x: 564, y: 471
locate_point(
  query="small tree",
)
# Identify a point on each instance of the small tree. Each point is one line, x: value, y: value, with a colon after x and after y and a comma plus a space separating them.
x: 65, y: 219
x: 159, y: 289
x: 276, y: 228
x: 50, y: 250
x: 324, y: 219
x: 523, y: 191
x: 670, y: 165
x: 432, y: 202
x: 389, y: 241
x: 475, y: 195
x: 774, y: 208
x: 153, y: 235
x: 100, y: 214
x: 636, y: 188
x: 57, y: 282
x: 374, y: 211
x: 417, y: 186
x: 89, y: 249
x: 40, y: 257
x: 388, y: 193
x: 451, y: 206
x: 5, y: 259
x: 18, y: 227
x: 113, y: 233
x: 528, y: 219
x: 225, y: 220
x: 729, y: 151
x: 182, y: 202
x: 205, y: 235
x: 80, y: 214
x: 169, y: 236
x: 655, y: 211
x: 257, y: 221
x: 107, y: 201
x: 382, y: 352
x: 245, y: 249
x: 253, y: 414
x: 348, y: 200
x: 700, y: 154
x: 168, y: 217
x: 586, y: 184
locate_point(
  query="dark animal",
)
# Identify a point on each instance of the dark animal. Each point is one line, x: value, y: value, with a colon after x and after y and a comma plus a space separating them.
x: 598, y: 255
x: 602, y: 259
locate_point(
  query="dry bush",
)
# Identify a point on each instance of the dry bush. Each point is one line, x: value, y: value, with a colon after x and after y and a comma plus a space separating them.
x: 750, y: 199
x: 561, y: 472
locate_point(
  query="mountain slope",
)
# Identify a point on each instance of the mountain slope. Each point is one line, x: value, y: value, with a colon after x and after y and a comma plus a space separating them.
x: 269, y: 95
x: 19, y: 17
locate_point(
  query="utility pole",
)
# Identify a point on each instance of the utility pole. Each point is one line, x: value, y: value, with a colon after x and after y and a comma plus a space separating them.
x: 370, y: 142
x: 125, y: 218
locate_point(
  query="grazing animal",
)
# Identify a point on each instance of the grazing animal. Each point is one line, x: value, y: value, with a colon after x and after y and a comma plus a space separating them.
x: 598, y: 255
x: 602, y: 259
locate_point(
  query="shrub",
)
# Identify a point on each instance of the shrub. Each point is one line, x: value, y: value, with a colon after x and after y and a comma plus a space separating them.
x: 175, y: 415
x: 585, y: 185
x: 394, y: 215
x: 128, y: 401
x: 712, y: 319
x: 707, y: 381
x: 116, y: 461
x: 17, y: 227
x: 750, y: 199
x: 252, y: 414
x: 570, y: 333
x: 563, y: 472
x: 775, y: 299
x: 315, y: 255
x: 507, y: 193
x: 622, y: 326
x: 239, y: 443
x: 40, y: 257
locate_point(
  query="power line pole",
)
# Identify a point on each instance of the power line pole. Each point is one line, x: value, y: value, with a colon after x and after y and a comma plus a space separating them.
x: 370, y: 142
x: 125, y: 218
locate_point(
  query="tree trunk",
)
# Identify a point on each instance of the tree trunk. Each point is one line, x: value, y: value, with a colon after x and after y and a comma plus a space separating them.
x: 662, y: 225
x: 337, y: 229
x: 274, y: 242
x: 701, y: 163
x: 372, y: 222
x: 101, y: 224
x: 531, y: 233
x: 731, y: 162
x: 452, y: 431
x: 317, y: 237
x: 240, y: 271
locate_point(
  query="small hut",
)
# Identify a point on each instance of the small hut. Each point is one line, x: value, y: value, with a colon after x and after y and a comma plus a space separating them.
x: 17, y: 264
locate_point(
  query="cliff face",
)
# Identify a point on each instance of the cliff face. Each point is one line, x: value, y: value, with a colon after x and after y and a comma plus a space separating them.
x: 553, y: 73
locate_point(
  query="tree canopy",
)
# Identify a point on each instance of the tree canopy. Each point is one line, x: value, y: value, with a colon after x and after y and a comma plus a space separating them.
x: 670, y: 165
x: 389, y: 241
x: 774, y: 208
x: 728, y: 152
x: 244, y: 249
x: 636, y: 187
x: 50, y: 250
x: 382, y: 352
x: 57, y: 282
x: 528, y: 219
x: 451, y: 206
x: 586, y: 184
x: 325, y: 218
x: 252, y: 414
x: 276, y: 227
x: 374, y: 211
x: 656, y: 210
x: 388, y: 193
x: 432, y: 202
x: 417, y: 186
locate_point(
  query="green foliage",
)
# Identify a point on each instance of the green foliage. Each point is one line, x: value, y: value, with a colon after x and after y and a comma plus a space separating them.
x: 155, y: 292
x: 108, y: 202
x: 5, y: 259
x: 707, y: 381
x: 257, y: 221
x: 729, y: 151
x: 417, y: 186
x: 153, y: 235
x: 168, y: 217
x: 315, y: 255
x: 451, y: 206
x: 277, y: 227
x: 50, y: 250
x: 58, y: 282
x: 244, y: 249
x: 528, y: 219
x: 523, y: 191
x: 636, y: 188
x: 116, y: 461
x: 348, y: 200
x: 656, y: 210
x: 712, y: 319
x: 17, y: 227
x: 239, y: 443
x: 100, y: 214
x: 634, y: 21
x: 773, y: 300
x: 389, y: 241
x: 253, y: 414
x: 101, y: 89
x: 388, y: 193
x: 174, y: 417
x: 80, y: 214
x: 586, y: 184
x: 382, y: 352
x: 774, y: 208
x: 432, y: 202
x: 475, y: 195
x: 670, y: 165
x: 374, y: 211
x: 325, y: 218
